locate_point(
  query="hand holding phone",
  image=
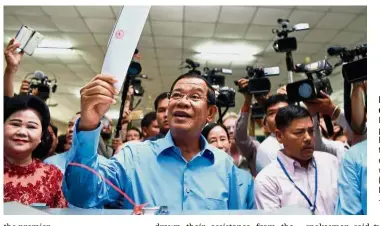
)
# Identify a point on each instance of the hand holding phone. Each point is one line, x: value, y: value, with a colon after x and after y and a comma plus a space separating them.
x: 12, y: 57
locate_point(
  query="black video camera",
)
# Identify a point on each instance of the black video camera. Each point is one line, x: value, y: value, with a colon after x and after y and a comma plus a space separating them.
x: 192, y: 66
x: 284, y: 43
x: 310, y: 88
x: 354, y: 62
x: 257, y: 111
x: 43, y: 84
x: 226, y: 96
x: 134, y: 71
x: 258, y: 83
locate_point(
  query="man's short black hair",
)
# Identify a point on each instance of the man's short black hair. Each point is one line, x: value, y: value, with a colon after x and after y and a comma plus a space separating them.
x: 148, y: 119
x: 286, y: 115
x: 211, y: 99
x: 160, y: 97
x: 275, y: 99
x: 136, y: 129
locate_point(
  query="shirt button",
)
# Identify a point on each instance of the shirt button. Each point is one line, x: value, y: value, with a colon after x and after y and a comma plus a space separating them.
x: 187, y: 190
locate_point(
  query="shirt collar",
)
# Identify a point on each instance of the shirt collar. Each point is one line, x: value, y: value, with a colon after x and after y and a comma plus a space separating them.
x: 167, y: 143
x: 289, y: 163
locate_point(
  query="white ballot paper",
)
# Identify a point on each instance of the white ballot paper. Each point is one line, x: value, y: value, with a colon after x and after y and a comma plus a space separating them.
x: 123, y: 41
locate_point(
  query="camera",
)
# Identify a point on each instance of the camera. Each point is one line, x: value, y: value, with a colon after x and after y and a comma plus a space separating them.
x: 257, y: 111
x: 258, y: 83
x: 226, y: 96
x: 42, y: 83
x: 192, y: 66
x: 284, y: 43
x: 134, y: 71
x: 354, y: 62
x: 310, y: 88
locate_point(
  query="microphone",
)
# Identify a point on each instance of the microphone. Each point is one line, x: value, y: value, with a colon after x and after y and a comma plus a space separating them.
x: 192, y: 63
x: 335, y: 50
x: 39, y: 74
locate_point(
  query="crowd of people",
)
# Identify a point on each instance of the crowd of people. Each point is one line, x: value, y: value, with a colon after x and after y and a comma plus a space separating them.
x: 180, y: 157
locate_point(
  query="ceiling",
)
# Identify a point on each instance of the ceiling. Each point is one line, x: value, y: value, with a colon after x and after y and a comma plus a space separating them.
x: 215, y: 36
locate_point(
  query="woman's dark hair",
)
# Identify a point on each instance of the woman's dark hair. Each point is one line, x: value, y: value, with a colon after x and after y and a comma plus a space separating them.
x: 24, y: 102
x: 136, y: 129
x: 148, y: 119
x: 61, y: 144
x: 207, y: 129
x: 55, y: 129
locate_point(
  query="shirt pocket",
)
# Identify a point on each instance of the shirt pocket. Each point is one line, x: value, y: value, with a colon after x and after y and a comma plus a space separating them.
x: 216, y: 204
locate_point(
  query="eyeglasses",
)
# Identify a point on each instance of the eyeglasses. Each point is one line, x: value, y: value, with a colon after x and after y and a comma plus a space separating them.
x: 193, y: 97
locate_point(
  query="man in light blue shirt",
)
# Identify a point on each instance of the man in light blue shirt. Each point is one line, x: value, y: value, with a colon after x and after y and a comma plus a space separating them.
x: 246, y: 189
x: 181, y: 170
x: 352, y: 182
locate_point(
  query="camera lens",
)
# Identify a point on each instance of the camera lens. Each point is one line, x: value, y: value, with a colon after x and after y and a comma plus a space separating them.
x: 305, y: 90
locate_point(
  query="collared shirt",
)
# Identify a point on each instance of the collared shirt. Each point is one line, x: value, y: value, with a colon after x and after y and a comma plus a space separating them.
x: 158, y: 136
x: 246, y: 189
x: 274, y: 190
x: 153, y: 172
x: 60, y: 160
x: 267, y: 152
x: 352, y: 182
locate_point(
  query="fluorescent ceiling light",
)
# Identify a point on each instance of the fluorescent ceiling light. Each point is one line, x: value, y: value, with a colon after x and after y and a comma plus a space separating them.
x: 57, y: 51
x: 77, y: 93
x: 223, y: 58
x: 57, y: 44
x: 227, y: 51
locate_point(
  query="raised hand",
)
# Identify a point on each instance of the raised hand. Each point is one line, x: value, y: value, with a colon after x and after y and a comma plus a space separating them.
x: 96, y: 98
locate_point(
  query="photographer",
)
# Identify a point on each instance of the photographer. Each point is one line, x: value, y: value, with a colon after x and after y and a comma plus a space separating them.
x: 161, y: 106
x: 325, y: 106
x: 268, y: 149
x: 13, y: 60
x: 246, y: 144
x: 352, y: 180
x: 229, y: 121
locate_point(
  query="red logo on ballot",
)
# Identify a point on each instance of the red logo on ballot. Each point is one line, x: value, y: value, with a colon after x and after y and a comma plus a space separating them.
x: 119, y: 34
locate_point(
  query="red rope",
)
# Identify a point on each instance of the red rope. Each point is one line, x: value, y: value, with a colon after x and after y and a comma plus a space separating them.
x: 137, y: 208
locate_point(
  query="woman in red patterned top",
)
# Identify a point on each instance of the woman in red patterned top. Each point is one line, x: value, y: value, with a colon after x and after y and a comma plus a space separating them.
x: 26, y: 179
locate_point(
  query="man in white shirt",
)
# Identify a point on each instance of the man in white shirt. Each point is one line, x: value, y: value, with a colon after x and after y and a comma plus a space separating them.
x: 267, y: 151
x: 300, y: 176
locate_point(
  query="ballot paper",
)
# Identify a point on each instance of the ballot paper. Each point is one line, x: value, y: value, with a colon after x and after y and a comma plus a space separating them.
x: 123, y: 41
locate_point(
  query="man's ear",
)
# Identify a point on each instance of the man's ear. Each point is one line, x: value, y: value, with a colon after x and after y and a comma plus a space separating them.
x: 143, y: 130
x: 279, y: 136
x: 212, y: 110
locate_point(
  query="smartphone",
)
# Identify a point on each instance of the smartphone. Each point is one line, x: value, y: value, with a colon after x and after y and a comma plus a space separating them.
x: 23, y: 35
x: 33, y: 43
x: 29, y: 39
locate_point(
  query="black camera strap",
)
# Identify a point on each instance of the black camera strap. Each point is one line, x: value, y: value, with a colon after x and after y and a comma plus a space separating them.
x: 329, y: 125
x: 220, y: 120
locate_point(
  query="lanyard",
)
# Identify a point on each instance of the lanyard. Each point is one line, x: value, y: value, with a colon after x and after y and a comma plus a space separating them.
x: 312, y: 207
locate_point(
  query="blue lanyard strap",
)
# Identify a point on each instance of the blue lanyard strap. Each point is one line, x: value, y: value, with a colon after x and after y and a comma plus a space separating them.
x: 312, y: 207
